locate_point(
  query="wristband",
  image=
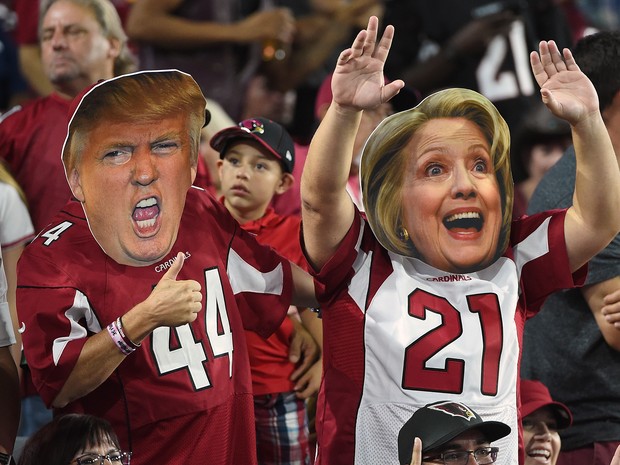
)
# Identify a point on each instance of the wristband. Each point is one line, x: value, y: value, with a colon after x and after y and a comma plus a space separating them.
x: 129, y: 342
x: 6, y: 459
x: 115, y: 334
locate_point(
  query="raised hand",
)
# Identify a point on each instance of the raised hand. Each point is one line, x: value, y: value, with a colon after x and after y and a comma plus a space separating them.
x: 172, y: 302
x: 358, y: 80
x: 566, y: 91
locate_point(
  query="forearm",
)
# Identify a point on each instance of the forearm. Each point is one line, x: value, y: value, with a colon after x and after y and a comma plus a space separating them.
x: 150, y: 23
x: 100, y: 356
x: 9, y: 401
x: 303, y: 288
x: 594, y: 295
x: 310, y: 51
x: 596, y: 199
x: 326, y: 207
x: 97, y: 361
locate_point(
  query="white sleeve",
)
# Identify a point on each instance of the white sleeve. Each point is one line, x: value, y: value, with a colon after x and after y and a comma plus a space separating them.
x: 7, y: 337
x: 15, y: 224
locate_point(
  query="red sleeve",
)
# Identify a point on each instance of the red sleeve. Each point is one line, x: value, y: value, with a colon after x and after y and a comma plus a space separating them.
x: 52, y: 339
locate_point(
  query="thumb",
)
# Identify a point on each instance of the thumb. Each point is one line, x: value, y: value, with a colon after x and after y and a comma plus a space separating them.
x: 390, y: 90
x: 175, y: 268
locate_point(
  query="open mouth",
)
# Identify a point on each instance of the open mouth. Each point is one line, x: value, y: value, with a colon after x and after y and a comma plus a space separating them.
x: 145, y: 214
x: 539, y: 454
x: 466, y: 221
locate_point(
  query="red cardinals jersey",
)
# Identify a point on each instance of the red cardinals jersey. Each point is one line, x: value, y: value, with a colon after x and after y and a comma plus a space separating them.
x: 185, y: 395
x: 399, y: 334
x: 32, y: 139
x: 271, y: 368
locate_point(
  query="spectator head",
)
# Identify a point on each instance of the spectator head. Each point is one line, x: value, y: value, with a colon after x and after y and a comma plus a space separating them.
x: 441, y: 426
x: 542, y: 418
x: 70, y: 437
x: 82, y: 41
x: 134, y: 138
x: 598, y: 56
x: 271, y: 136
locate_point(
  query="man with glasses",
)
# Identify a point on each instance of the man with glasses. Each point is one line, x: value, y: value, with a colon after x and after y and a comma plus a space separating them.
x: 449, y: 433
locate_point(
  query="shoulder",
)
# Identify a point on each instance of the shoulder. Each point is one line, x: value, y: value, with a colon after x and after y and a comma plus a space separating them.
x: 201, y: 205
x: 66, y: 234
x: 42, y: 110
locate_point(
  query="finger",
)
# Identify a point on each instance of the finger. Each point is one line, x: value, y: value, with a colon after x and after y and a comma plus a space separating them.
x: 302, y: 368
x: 571, y: 64
x: 612, y: 298
x: 308, y: 390
x: 612, y: 318
x: 383, y: 48
x: 556, y: 57
x: 537, y: 69
x: 175, y: 268
x: 392, y: 89
x: 416, y: 454
x: 546, y: 58
x: 357, y: 48
x: 371, y: 36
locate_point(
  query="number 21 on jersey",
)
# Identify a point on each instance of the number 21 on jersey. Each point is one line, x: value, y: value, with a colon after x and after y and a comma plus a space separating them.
x: 416, y: 374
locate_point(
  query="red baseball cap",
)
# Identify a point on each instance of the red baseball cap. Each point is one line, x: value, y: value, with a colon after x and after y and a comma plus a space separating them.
x: 535, y: 395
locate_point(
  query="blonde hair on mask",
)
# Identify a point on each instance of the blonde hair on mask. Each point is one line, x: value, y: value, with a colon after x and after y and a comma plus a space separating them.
x: 384, y: 159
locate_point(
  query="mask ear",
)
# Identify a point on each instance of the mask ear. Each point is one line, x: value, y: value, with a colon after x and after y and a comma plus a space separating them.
x: 194, y: 171
x: 286, y: 182
x: 76, y: 185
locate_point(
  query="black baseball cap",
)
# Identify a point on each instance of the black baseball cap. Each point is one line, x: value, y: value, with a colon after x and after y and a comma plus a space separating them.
x: 269, y: 134
x: 438, y: 423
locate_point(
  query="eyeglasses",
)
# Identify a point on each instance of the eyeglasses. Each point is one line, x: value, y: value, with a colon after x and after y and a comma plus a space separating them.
x: 483, y: 456
x: 114, y: 456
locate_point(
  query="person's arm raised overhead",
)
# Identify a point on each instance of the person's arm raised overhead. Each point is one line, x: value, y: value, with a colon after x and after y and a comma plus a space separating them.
x: 594, y: 219
x: 357, y: 84
x: 153, y: 21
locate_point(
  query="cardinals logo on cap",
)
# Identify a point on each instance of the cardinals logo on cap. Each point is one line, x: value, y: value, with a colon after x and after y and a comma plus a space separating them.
x: 256, y: 126
x: 455, y: 409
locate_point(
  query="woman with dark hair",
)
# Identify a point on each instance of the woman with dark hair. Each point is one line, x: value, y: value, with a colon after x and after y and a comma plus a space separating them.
x: 74, y: 439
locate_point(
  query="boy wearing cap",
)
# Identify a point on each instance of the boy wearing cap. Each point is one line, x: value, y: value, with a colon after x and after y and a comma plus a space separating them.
x: 542, y: 418
x: 256, y: 163
x: 450, y: 433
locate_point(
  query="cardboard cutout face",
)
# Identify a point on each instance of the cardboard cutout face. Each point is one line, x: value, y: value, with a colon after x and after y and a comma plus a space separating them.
x: 131, y: 170
x: 436, y: 182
